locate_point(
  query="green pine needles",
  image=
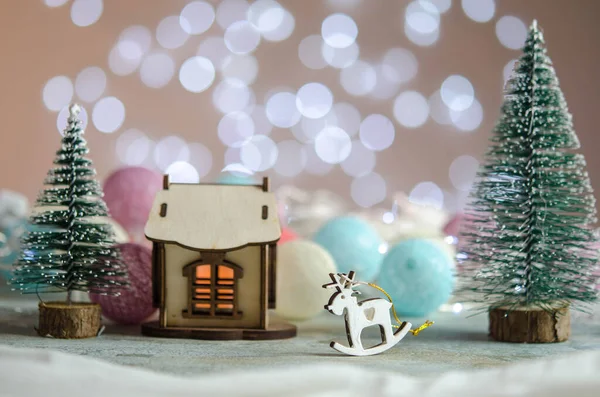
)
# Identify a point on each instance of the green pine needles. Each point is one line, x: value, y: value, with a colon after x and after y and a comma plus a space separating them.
x: 528, y: 236
x: 68, y: 245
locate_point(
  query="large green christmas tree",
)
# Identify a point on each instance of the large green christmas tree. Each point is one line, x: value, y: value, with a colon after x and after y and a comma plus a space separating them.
x: 69, y: 246
x: 528, y: 236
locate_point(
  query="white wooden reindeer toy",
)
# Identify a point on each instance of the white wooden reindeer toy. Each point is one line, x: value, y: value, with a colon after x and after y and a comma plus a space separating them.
x: 359, y: 315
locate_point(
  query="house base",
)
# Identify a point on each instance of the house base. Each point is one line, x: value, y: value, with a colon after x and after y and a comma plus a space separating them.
x: 275, y: 331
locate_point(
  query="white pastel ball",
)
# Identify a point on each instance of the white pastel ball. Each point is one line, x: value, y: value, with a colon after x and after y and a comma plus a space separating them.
x: 302, y: 269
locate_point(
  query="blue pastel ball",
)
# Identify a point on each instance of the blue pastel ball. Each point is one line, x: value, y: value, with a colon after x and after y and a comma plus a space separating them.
x: 418, y: 275
x: 354, y: 245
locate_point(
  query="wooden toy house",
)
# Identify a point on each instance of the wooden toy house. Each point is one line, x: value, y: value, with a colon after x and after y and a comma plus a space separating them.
x: 214, y: 261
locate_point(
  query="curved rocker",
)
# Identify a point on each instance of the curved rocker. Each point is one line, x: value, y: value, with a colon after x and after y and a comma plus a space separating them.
x: 380, y: 348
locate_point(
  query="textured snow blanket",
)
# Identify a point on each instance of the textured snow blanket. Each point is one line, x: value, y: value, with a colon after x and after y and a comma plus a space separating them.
x: 32, y: 373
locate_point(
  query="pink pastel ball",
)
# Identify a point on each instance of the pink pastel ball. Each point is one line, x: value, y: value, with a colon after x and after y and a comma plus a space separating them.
x: 129, y: 193
x: 287, y: 235
x: 134, y: 305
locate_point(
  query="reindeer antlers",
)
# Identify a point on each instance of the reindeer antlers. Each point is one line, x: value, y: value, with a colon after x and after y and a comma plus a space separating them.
x: 341, y: 281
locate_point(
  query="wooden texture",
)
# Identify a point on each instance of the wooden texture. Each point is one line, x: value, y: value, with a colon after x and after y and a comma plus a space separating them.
x: 359, y: 315
x: 213, y: 217
x: 530, y: 325
x: 74, y: 321
x: 274, y: 331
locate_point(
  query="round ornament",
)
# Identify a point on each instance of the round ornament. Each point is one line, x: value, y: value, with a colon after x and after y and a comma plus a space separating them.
x: 134, y: 305
x: 302, y: 268
x: 129, y: 193
x: 354, y: 245
x: 418, y: 276
x: 287, y: 235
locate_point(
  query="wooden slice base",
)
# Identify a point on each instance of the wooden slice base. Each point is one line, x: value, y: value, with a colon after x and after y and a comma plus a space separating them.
x: 275, y: 331
x: 530, y: 325
x: 74, y: 321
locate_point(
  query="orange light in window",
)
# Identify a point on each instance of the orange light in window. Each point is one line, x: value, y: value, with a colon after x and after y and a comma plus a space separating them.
x: 225, y: 272
x: 228, y: 306
x: 202, y: 305
x: 203, y: 271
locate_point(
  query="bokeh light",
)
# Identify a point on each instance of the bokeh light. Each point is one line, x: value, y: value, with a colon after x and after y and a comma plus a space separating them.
x: 282, y: 111
x: 235, y: 129
x: 283, y: 31
x: 347, y: 117
x: 438, y: 110
x: 231, y: 95
x: 377, y: 132
x: 511, y: 32
x: 314, y: 164
x: 422, y: 23
x: 182, y: 172
x: 262, y: 125
x: 368, y: 190
x: 240, y: 67
x: 57, y: 93
x: 333, y: 145
x: 469, y: 119
x: 108, y: 114
x: 427, y: 194
x: 241, y: 37
x: 361, y: 160
x: 266, y: 15
x: 90, y: 83
x: 314, y: 100
x: 231, y: 11
x: 214, y: 48
x: 86, y: 12
x: 201, y: 158
x: 359, y: 78
x: 307, y: 129
x: 133, y: 147
x: 197, y: 74
x: 170, y: 149
x: 259, y: 153
x: 441, y: 5
x: 170, y: 34
x: 55, y: 3
x: 63, y: 117
x: 309, y: 52
x: 399, y: 65
x: 339, y: 30
x: 479, y: 10
x: 508, y: 69
x: 197, y: 17
x: 133, y: 43
x: 157, y: 70
x: 339, y: 57
x: 457, y: 92
x: 462, y: 172
x: 411, y: 109
x: 291, y: 159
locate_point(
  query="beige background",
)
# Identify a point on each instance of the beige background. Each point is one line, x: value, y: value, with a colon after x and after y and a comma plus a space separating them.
x: 40, y: 42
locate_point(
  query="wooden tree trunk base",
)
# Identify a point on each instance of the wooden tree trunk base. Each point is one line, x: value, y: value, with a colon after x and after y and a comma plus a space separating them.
x: 530, y: 325
x: 74, y: 321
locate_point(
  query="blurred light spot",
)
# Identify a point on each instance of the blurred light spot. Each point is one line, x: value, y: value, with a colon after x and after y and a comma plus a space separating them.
x: 138, y: 36
x: 368, y: 190
x: 200, y: 158
x: 214, y: 49
x: 90, y: 83
x: 339, y: 30
x: 511, y: 32
x: 421, y: 39
x: 383, y: 248
x: 457, y: 307
x: 230, y: 11
x: 457, y: 92
x: 169, y: 150
x: 343, y: 3
x: 120, y: 65
x: 340, y: 57
x: 388, y: 218
x: 170, y: 34
x: 307, y: 129
x: 508, y: 69
x: 86, y: 12
x: 233, y: 159
x: 63, y: 116
x: 399, y: 65
x: 125, y: 57
x: 359, y: 78
x: 231, y: 95
x: 361, y: 160
x: 333, y: 145
x: 133, y: 147
x: 469, y: 119
x: 422, y: 17
x: 462, y: 172
x: 197, y: 17
x: 441, y: 5
x: 108, y: 114
x: 283, y: 31
x: 347, y: 117
x: 241, y: 38
x: 314, y: 100
x: 241, y: 67
x: 237, y: 168
x: 479, y: 10
x: 262, y: 125
x: 309, y: 52
x: 57, y: 93
x: 182, y: 172
x: 292, y: 158
x: 266, y: 15
x: 55, y: 3
x: 259, y: 153
x: 411, y: 109
x: 235, y: 129
x: 282, y: 111
x: 427, y: 194
x: 377, y: 132
x: 438, y: 109
x: 197, y: 74
x: 314, y: 164
x: 384, y: 88
x: 157, y: 70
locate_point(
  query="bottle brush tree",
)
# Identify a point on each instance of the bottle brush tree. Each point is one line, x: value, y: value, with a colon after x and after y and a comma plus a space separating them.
x: 528, y: 236
x: 69, y: 246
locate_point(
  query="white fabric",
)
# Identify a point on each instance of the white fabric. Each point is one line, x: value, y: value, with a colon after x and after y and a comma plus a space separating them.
x: 31, y: 373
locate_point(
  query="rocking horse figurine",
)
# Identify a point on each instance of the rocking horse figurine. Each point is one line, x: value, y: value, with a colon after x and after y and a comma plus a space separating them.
x: 359, y: 315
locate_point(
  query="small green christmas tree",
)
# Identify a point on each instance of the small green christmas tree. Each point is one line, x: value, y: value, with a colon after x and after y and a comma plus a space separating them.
x: 528, y: 236
x: 69, y: 246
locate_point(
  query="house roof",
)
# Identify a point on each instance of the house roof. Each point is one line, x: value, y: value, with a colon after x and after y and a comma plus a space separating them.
x: 213, y: 217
